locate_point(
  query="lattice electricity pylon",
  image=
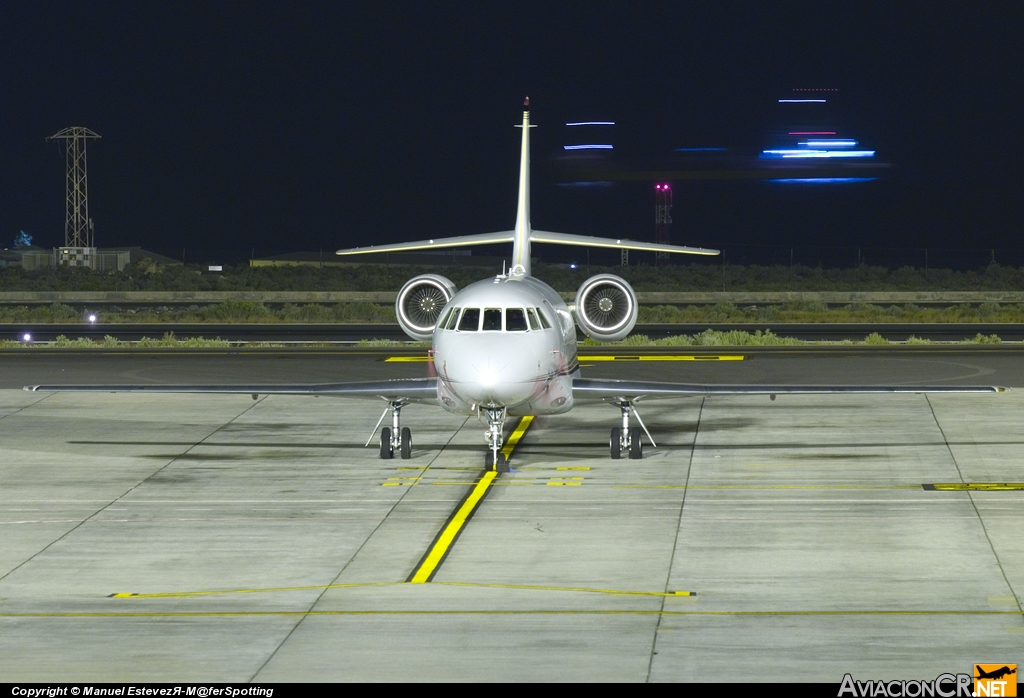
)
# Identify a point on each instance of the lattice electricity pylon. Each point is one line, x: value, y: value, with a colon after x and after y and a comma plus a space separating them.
x: 662, y: 218
x: 77, y: 224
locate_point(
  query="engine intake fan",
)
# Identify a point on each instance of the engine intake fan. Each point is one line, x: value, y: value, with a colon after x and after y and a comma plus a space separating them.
x: 606, y: 307
x: 420, y: 302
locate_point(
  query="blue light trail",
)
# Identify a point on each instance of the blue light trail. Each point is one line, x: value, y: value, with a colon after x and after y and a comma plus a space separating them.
x: 821, y: 180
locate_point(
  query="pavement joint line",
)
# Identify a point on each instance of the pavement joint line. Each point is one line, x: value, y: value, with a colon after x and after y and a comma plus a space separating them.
x: 491, y: 612
x: 94, y: 515
x: 675, y: 539
x: 478, y: 585
x: 25, y: 407
x: 974, y: 505
x: 449, y: 534
x: 310, y: 610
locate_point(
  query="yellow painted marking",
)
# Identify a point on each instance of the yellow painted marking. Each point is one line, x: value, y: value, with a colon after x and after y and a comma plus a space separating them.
x: 536, y: 612
x: 407, y: 481
x: 531, y: 587
x: 447, y: 536
x: 567, y: 481
x: 572, y: 468
x: 219, y: 592
x: 518, y: 483
x: 662, y: 357
x: 975, y: 486
x: 451, y: 530
x: 517, y: 434
x: 765, y: 487
x: 521, y: 587
x: 600, y: 357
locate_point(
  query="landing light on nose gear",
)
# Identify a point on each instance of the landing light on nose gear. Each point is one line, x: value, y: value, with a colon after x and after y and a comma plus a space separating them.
x: 394, y: 437
x: 626, y: 438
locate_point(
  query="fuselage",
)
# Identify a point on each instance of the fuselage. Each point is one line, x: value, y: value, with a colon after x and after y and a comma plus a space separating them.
x: 506, y: 342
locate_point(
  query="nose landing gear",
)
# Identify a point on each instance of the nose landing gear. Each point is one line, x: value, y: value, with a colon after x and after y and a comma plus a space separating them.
x: 495, y: 459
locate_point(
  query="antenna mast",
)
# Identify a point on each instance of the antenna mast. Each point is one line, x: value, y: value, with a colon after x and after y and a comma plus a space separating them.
x: 78, y: 228
x: 662, y: 218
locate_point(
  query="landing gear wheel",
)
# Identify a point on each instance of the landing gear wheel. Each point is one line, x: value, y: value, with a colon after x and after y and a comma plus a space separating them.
x: 406, y: 443
x: 636, y: 445
x: 501, y: 466
x: 386, y: 451
x: 615, y: 443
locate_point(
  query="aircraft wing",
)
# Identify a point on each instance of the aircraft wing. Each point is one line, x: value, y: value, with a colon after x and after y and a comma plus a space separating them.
x: 590, y: 241
x: 412, y: 389
x: 438, y: 243
x: 632, y: 391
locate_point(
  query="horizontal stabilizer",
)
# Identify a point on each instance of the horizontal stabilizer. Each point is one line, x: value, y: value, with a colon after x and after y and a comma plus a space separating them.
x: 590, y: 241
x: 540, y: 236
x: 436, y: 243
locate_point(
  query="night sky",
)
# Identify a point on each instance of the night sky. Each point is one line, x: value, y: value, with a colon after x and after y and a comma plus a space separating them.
x: 230, y: 126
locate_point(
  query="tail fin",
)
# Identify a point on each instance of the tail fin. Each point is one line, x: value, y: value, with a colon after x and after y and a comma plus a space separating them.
x: 521, y: 242
x: 523, y: 234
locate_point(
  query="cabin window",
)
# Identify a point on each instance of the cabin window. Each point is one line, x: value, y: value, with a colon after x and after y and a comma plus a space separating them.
x: 453, y: 317
x: 492, y: 320
x: 470, y: 320
x: 543, y: 319
x: 534, y: 322
x: 515, y: 320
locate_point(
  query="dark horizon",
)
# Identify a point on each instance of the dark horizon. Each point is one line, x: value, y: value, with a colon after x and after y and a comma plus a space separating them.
x: 267, y: 127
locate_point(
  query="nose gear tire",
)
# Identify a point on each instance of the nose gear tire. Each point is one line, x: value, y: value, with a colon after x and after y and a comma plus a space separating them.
x: 501, y: 466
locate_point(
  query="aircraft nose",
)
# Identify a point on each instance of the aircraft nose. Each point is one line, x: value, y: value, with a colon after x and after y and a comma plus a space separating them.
x: 498, y: 375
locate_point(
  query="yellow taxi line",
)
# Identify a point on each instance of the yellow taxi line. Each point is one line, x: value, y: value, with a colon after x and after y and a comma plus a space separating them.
x: 444, y: 541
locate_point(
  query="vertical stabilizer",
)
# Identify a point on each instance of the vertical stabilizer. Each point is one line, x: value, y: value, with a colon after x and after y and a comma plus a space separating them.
x: 521, y: 243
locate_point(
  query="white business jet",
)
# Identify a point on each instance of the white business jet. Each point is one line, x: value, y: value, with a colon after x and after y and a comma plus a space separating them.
x: 506, y: 346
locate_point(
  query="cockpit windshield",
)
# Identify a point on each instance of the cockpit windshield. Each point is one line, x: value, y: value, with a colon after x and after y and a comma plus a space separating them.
x: 492, y: 320
x: 515, y: 320
x: 496, y: 320
x: 470, y: 320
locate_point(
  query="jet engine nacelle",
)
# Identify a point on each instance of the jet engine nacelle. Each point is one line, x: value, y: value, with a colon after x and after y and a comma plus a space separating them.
x: 605, y: 307
x: 420, y: 302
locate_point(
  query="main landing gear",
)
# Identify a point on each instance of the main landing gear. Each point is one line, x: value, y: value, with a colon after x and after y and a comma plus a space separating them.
x: 626, y: 439
x: 495, y: 459
x: 395, y: 437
